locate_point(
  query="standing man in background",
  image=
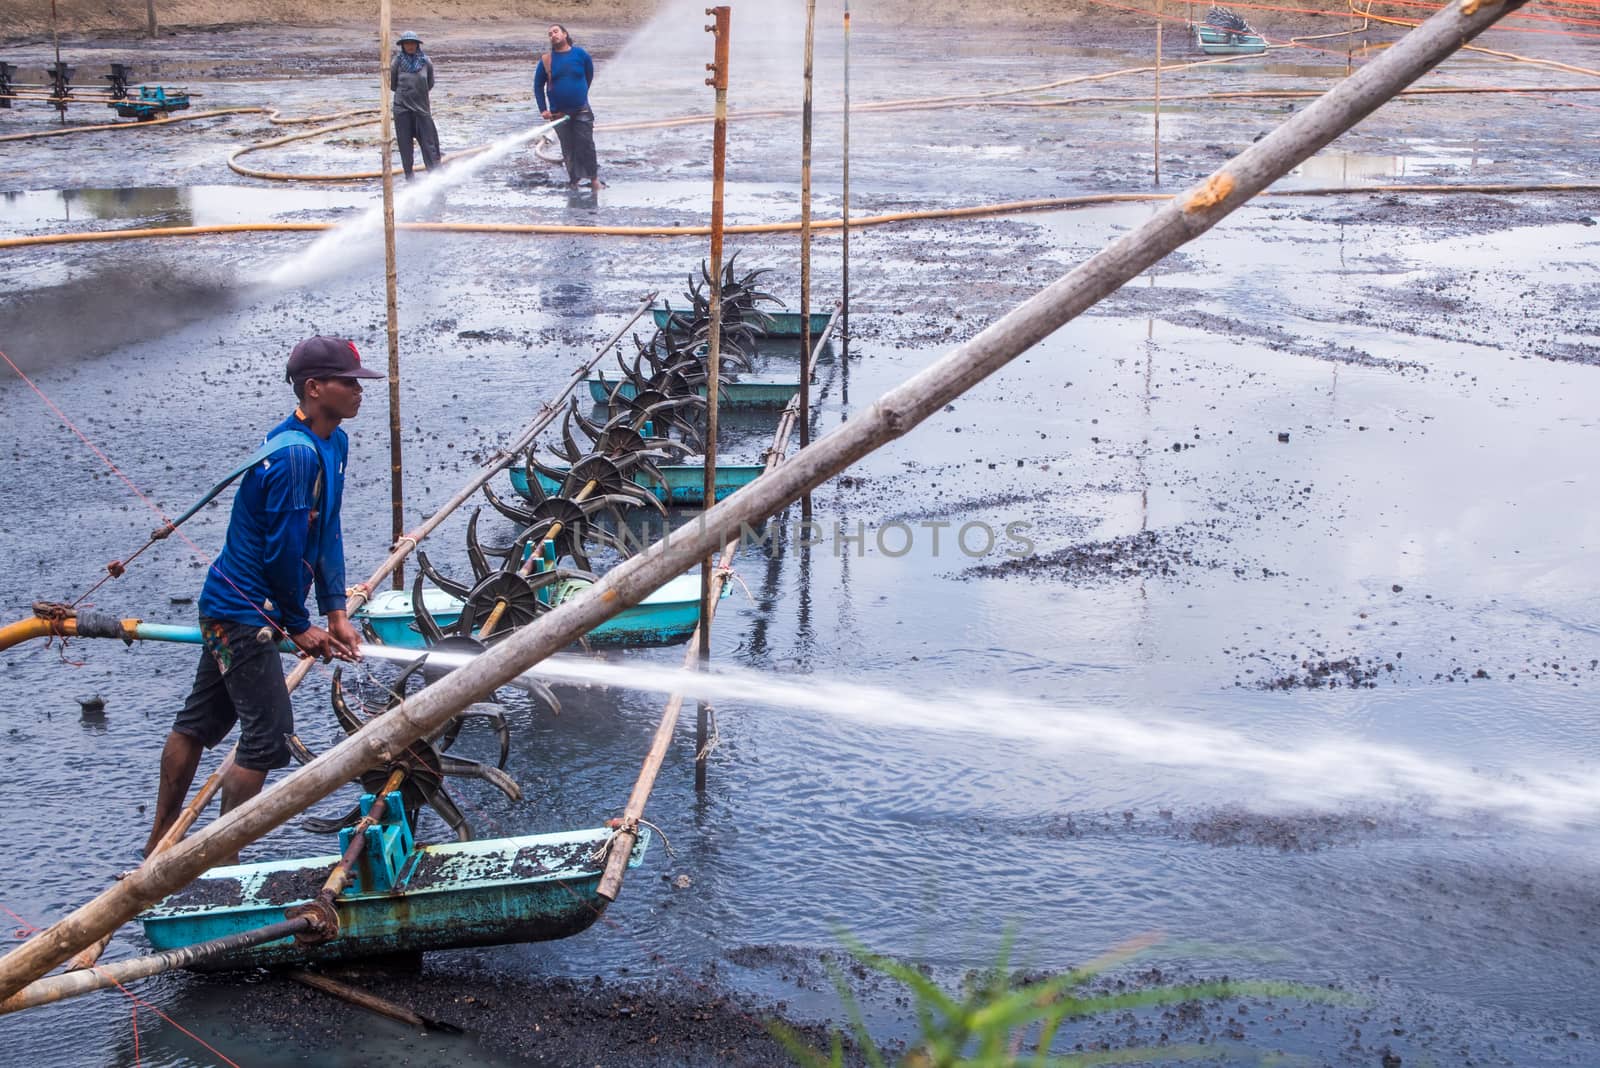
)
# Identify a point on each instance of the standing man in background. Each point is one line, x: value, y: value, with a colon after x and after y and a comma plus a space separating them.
x: 410, y: 79
x: 568, y: 72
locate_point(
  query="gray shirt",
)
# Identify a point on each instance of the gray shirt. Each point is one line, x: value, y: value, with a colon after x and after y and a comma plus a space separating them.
x: 411, y: 87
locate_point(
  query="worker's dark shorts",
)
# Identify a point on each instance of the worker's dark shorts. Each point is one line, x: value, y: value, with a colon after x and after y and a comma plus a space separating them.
x: 239, y: 680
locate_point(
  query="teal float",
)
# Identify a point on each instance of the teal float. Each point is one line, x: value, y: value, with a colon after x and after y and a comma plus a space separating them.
x: 1216, y: 41
x: 686, y: 483
x: 785, y: 324
x: 407, y: 899
x: 748, y: 392
x: 666, y: 617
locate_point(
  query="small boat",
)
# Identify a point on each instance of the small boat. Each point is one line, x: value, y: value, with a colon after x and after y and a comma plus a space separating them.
x: 686, y: 483
x: 747, y: 392
x: 1225, y: 33
x: 1219, y: 42
x: 531, y: 888
x: 666, y: 617
x: 784, y: 324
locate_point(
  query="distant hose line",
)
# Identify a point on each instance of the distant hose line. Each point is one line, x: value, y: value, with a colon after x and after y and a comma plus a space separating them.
x: 1514, y: 56
x: 133, y: 125
x: 1291, y: 94
x: 1012, y: 207
x: 349, y: 176
x: 991, y: 98
x: 273, y: 116
x: 542, y: 148
x: 649, y: 124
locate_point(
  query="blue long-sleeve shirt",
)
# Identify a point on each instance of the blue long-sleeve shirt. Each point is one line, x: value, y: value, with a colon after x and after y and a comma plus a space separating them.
x: 571, y: 74
x: 283, y: 536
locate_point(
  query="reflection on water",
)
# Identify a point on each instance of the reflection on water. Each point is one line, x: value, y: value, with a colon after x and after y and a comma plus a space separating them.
x: 198, y: 205
x: 1343, y: 167
x: 1355, y: 168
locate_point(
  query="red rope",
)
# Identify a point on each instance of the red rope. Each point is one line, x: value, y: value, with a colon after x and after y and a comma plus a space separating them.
x: 92, y: 446
x: 1239, y: 4
x: 112, y: 572
x: 1514, y: 15
x: 29, y: 929
x: 1395, y: 20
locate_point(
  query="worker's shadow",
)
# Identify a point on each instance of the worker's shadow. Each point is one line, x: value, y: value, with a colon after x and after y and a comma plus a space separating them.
x: 584, y: 198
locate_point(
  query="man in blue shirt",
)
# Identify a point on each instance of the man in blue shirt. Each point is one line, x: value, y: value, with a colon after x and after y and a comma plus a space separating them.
x: 283, y: 538
x: 568, y: 72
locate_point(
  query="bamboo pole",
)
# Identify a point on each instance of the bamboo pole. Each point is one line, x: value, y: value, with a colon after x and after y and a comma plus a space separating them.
x: 805, y: 237
x: 150, y: 17
x: 621, y: 846
x: 893, y: 415
x: 55, y: 41
x: 1158, y: 95
x: 404, y: 545
x: 719, y: 158
x: 397, y: 512
x: 844, y: 224
x: 1350, y: 44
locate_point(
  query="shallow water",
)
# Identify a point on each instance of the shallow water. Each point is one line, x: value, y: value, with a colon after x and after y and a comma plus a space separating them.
x: 1431, y: 513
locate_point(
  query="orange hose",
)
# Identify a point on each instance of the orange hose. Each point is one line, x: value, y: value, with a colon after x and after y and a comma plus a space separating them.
x: 134, y: 125
x: 27, y: 629
x: 1006, y: 208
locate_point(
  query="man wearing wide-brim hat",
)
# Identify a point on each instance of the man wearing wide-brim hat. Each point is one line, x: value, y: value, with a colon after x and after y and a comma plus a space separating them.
x: 283, y: 537
x: 410, y: 79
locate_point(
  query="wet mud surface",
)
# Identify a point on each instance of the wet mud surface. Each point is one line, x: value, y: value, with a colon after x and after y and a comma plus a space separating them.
x: 1323, y: 471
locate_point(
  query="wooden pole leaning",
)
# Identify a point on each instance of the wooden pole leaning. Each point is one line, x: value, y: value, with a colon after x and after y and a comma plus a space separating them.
x: 893, y: 415
x: 397, y: 514
x: 403, y: 547
x: 620, y: 848
x: 719, y: 158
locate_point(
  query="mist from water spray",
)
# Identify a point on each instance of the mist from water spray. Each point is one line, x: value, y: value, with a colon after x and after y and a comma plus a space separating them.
x: 349, y: 243
x: 1318, y: 774
x: 673, y: 47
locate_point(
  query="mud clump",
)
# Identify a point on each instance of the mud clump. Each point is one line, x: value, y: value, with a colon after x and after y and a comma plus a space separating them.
x: 1232, y: 827
x: 209, y: 893
x: 1143, y: 555
x: 1329, y: 674
x: 550, y: 1021
x: 1303, y: 833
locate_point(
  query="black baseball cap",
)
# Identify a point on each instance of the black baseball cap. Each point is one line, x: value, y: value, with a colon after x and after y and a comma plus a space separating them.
x: 326, y: 357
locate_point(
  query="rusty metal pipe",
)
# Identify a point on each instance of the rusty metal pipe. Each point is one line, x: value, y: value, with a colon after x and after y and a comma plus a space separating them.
x: 86, y: 981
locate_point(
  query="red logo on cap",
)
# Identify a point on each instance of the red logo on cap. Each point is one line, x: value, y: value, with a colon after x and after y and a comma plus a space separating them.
x: 353, y: 351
